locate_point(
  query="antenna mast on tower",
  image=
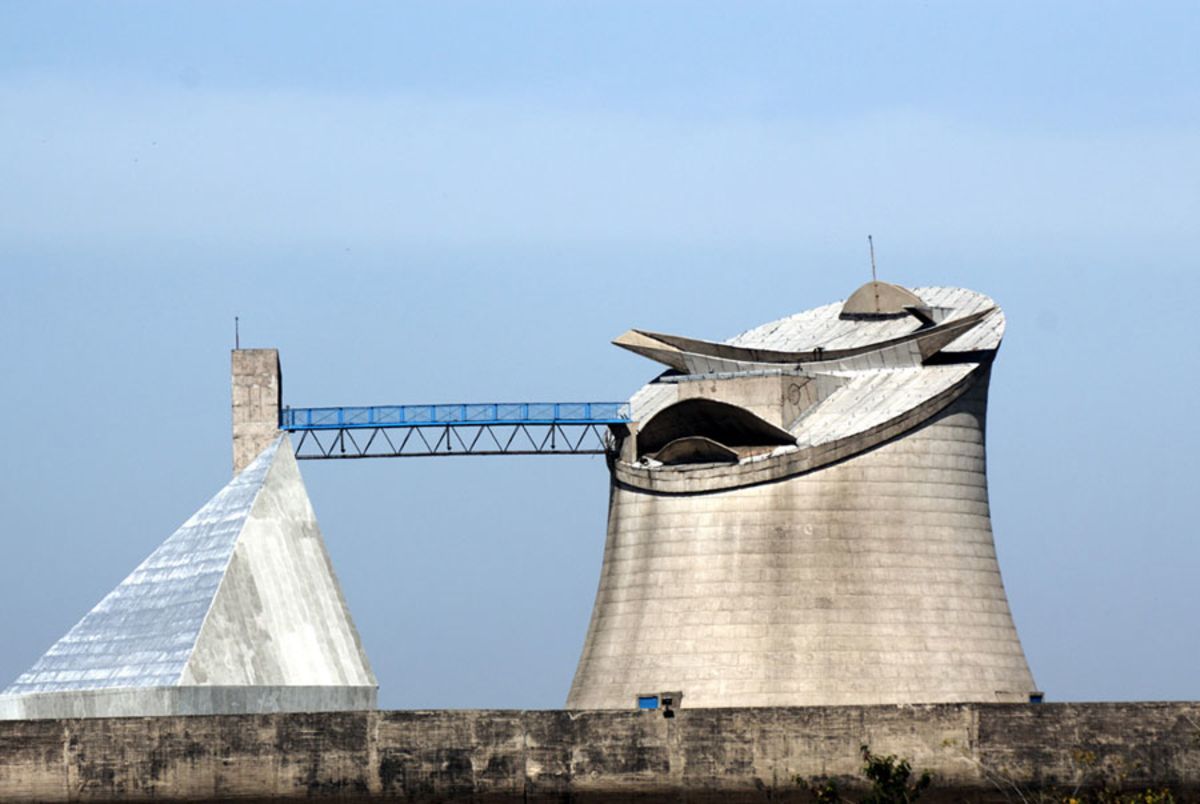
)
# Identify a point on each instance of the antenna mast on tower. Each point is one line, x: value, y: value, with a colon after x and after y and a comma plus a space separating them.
x: 874, y: 278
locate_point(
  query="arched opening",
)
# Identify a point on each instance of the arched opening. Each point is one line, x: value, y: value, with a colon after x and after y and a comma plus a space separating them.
x: 729, y: 426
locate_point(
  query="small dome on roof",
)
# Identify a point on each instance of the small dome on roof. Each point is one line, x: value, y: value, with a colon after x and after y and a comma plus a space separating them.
x: 881, y: 298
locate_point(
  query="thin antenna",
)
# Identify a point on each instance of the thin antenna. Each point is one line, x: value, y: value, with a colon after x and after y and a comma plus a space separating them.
x: 237, y: 335
x: 874, y: 278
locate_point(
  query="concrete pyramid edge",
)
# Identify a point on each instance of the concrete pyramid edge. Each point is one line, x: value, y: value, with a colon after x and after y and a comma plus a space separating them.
x: 170, y: 638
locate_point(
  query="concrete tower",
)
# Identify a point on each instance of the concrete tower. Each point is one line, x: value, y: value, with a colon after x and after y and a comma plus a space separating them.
x: 800, y: 516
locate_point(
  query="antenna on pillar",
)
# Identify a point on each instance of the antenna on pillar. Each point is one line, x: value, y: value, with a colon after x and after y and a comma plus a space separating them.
x: 874, y: 278
x: 237, y: 335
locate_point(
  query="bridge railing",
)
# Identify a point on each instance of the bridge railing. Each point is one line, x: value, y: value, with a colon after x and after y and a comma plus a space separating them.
x: 336, y: 418
x: 494, y: 428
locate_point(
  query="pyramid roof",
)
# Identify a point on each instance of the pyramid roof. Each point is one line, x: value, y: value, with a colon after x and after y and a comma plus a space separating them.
x: 243, y: 594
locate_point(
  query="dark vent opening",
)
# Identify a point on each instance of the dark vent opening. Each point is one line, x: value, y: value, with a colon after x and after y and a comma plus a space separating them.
x: 726, y: 424
x: 695, y: 449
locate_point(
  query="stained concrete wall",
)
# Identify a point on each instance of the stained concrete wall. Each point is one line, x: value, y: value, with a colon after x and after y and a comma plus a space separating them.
x: 257, y: 398
x: 279, y: 618
x: 873, y: 580
x: 193, y: 699
x: 976, y: 752
x: 776, y: 398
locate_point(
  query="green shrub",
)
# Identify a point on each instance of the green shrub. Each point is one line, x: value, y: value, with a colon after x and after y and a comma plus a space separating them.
x: 890, y: 778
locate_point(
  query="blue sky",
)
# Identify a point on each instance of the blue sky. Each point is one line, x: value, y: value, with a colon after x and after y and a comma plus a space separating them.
x: 466, y: 201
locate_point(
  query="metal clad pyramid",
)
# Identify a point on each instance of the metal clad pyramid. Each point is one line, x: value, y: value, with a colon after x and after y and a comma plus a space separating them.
x: 238, y: 610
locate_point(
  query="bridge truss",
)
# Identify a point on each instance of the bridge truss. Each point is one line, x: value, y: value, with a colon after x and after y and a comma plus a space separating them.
x: 412, y: 431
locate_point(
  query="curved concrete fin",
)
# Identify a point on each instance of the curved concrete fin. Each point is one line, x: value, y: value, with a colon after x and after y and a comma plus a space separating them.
x: 279, y: 617
x: 692, y: 356
x: 143, y: 632
x: 658, y: 350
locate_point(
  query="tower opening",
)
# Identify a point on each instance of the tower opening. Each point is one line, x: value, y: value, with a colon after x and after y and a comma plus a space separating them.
x: 728, y: 425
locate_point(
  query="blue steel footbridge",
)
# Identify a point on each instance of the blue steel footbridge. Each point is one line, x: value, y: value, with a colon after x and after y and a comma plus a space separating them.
x: 495, y: 428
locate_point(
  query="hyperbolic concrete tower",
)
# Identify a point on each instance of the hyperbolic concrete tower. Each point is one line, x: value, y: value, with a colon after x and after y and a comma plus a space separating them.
x: 801, y: 517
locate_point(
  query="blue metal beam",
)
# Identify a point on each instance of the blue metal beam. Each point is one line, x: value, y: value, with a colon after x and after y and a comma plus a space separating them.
x: 340, y: 418
x: 499, y: 428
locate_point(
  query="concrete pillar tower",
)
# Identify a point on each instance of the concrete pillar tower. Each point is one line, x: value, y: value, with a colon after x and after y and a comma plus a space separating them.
x: 801, y: 516
x: 257, y: 384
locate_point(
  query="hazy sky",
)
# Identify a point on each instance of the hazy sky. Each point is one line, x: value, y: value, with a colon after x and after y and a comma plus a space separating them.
x: 452, y: 202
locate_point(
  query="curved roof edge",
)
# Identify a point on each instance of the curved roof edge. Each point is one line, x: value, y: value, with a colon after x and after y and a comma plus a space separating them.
x: 786, y: 462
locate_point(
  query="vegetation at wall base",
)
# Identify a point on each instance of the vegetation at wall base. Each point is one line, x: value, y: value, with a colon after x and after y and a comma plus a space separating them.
x: 892, y: 782
x: 890, y: 778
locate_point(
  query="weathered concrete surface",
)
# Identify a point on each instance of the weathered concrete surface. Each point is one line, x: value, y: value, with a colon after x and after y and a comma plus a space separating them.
x: 813, y: 534
x: 877, y: 297
x: 192, y: 699
x: 873, y: 581
x: 977, y: 752
x: 257, y: 398
x: 237, y: 611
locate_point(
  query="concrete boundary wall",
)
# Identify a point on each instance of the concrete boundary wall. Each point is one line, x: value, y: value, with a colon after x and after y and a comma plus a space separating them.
x: 977, y: 752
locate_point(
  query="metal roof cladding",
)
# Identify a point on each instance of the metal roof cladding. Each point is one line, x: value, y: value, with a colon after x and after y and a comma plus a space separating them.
x: 239, y: 610
x: 143, y: 632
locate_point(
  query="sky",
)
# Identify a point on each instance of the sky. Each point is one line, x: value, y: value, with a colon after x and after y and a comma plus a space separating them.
x: 453, y: 201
